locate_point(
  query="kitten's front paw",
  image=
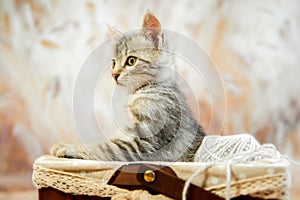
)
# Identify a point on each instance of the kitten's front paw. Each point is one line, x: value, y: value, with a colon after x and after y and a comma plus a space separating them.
x: 59, y: 150
x: 70, y: 151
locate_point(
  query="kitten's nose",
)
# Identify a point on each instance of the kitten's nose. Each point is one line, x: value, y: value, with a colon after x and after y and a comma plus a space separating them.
x: 115, y: 76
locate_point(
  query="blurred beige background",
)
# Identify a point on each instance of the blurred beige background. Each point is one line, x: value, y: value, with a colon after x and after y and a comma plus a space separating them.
x: 254, y: 44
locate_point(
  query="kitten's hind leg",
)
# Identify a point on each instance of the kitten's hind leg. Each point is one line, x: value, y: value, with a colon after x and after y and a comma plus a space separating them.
x: 70, y: 151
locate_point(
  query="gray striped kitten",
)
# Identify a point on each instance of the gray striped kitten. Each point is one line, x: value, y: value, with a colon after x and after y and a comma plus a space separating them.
x: 163, y: 127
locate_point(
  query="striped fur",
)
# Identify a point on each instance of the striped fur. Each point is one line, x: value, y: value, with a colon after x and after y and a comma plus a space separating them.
x: 163, y: 127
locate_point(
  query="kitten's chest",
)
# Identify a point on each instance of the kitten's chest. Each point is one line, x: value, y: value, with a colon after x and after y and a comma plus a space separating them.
x: 152, y: 102
x: 143, y: 103
x: 137, y: 106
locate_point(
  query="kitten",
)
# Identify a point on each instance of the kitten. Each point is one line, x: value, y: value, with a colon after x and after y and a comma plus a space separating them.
x: 164, y: 129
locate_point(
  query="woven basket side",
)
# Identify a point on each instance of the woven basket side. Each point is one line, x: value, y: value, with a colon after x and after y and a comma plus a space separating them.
x: 266, y: 187
x: 70, y: 183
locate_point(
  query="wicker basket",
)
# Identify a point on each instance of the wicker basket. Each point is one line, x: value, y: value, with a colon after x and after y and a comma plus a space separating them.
x: 264, y: 179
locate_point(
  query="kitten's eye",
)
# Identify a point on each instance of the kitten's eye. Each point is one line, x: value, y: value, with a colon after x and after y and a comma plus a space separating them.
x: 113, y: 63
x: 131, y: 60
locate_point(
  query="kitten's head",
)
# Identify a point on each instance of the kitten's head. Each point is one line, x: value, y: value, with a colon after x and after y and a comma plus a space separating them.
x: 139, y: 57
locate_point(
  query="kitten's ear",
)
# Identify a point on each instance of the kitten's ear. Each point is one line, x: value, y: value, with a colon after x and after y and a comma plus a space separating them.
x: 113, y: 32
x: 151, y: 27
